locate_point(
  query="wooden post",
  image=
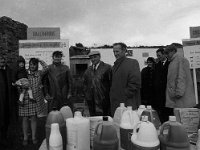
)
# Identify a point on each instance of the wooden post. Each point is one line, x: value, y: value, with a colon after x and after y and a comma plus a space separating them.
x: 195, y: 85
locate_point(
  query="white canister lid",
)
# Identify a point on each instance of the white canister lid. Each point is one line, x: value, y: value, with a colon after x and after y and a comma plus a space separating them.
x: 122, y: 105
x: 172, y: 118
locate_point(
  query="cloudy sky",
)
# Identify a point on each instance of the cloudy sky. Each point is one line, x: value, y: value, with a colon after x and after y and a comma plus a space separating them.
x: 135, y: 22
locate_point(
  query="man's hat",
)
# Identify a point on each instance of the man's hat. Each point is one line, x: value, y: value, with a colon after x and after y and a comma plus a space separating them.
x: 94, y: 53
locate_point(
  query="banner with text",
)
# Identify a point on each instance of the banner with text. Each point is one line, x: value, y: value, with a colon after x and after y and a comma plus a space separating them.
x: 43, y: 50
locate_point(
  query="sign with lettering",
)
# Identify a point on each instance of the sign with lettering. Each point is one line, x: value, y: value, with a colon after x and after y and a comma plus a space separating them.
x: 191, y: 48
x: 195, y: 32
x: 189, y: 117
x: 43, y: 50
x: 43, y: 33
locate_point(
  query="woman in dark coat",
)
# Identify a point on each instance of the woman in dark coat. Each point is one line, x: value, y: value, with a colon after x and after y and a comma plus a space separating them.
x: 147, y: 74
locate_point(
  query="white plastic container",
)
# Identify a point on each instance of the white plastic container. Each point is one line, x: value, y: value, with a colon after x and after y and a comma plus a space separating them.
x: 145, y: 135
x: 78, y: 132
x: 55, y: 139
x: 118, y: 113
x: 117, y: 119
x: 66, y: 112
x: 129, y: 120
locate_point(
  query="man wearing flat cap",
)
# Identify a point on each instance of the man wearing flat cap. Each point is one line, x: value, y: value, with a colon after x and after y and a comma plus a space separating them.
x: 97, y: 85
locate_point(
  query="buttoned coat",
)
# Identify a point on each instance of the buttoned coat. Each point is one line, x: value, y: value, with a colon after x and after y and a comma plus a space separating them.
x: 126, y: 83
x: 180, y: 90
x: 60, y: 82
x: 97, y: 86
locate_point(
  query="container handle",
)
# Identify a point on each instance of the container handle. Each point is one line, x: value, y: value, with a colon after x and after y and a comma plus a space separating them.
x: 101, y: 131
x: 130, y: 115
x: 165, y: 125
x: 151, y: 115
x: 95, y: 132
x: 136, y: 127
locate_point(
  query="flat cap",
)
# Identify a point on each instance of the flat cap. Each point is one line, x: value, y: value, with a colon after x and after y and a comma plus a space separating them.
x: 94, y: 53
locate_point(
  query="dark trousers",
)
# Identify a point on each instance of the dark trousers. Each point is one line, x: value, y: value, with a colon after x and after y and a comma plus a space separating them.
x: 105, y: 108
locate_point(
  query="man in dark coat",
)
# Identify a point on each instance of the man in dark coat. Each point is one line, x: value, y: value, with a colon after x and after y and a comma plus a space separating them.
x: 7, y: 102
x: 160, y: 82
x: 126, y: 79
x: 97, y: 79
x: 60, y: 82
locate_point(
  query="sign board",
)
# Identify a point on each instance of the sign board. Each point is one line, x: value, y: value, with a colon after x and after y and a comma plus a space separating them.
x: 191, y: 48
x: 195, y: 32
x: 189, y: 117
x: 43, y: 33
x: 43, y: 50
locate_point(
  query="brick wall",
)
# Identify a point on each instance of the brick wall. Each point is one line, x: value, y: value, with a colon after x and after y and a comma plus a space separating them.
x: 10, y: 33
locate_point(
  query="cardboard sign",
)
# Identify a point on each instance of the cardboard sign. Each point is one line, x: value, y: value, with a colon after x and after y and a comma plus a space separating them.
x: 189, y: 117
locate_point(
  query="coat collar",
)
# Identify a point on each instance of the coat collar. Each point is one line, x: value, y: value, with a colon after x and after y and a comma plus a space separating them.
x: 174, y: 56
x: 117, y: 63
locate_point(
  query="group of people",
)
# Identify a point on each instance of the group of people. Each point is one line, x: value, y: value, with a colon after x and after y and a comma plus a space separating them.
x: 107, y: 86
x: 24, y: 91
x: 165, y: 84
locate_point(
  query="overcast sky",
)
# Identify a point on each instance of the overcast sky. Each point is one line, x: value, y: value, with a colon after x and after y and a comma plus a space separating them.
x: 134, y: 22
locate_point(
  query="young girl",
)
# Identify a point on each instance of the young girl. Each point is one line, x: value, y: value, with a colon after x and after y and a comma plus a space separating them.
x: 22, y: 81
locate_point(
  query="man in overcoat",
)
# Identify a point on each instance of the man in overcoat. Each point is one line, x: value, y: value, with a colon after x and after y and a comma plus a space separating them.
x: 8, y: 105
x: 126, y: 79
x: 160, y: 83
x: 97, y: 79
x: 180, y: 90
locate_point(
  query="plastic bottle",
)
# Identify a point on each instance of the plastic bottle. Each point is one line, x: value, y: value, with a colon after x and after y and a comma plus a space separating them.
x: 78, y: 132
x: 173, y: 135
x: 105, y: 136
x: 66, y: 112
x: 117, y: 118
x: 152, y: 116
x: 55, y: 116
x: 145, y: 136
x: 118, y: 113
x: 55, y: 139
x: 129, y: 120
